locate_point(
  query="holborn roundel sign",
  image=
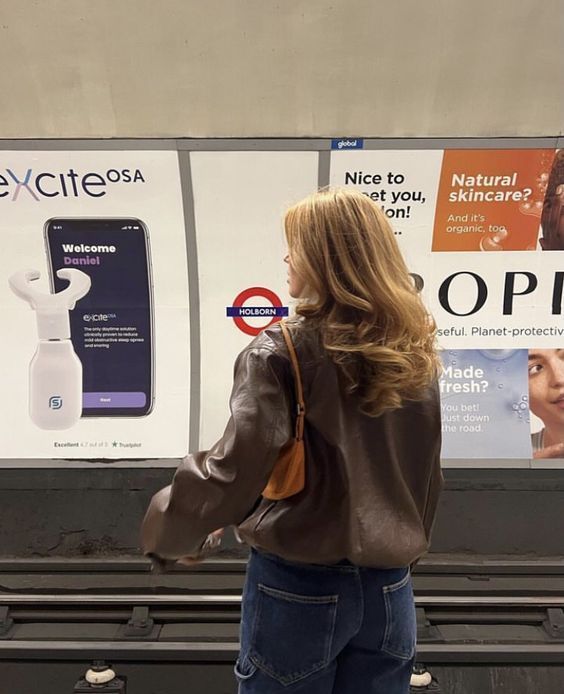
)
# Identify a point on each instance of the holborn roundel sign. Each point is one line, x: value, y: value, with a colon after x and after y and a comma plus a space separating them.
x: 239, y: 312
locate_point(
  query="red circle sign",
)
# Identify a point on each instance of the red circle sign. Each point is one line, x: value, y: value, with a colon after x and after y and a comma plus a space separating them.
x: 250, y: 293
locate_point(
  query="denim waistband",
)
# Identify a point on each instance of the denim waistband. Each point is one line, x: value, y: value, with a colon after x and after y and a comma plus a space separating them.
x: 344, y: 565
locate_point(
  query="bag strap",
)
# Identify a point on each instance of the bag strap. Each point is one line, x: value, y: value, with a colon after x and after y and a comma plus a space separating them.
x: 297, y: 381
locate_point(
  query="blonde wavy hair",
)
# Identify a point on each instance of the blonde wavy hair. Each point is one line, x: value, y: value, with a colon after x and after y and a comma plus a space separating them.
x: 360, y: 294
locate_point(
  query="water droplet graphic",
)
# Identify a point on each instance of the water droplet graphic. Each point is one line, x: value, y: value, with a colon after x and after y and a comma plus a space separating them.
x: 497, y: 354
x: 522, y: 406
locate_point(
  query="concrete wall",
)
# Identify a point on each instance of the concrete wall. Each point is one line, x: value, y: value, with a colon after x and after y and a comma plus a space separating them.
x: 282, y: 68
x: 97, y: 512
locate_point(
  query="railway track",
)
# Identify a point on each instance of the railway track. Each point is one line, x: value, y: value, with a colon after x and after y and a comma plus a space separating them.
x: 56, y: 617
x: 497, y: 611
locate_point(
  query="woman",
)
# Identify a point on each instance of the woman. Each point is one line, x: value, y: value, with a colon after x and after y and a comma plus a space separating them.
x: 546, y: 399
x: 552, y: 216
x: 327, y: 604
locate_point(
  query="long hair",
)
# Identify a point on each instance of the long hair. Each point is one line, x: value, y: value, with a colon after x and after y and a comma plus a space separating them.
x: 360, y: 294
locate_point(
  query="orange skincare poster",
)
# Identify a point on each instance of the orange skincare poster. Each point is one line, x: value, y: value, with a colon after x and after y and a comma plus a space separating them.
x: 491, y: 200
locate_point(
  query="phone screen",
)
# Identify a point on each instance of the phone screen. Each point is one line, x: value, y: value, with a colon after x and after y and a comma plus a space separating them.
x: 112, y: 326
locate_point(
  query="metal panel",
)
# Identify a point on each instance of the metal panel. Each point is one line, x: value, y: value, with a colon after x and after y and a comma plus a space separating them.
x: 194, y: 289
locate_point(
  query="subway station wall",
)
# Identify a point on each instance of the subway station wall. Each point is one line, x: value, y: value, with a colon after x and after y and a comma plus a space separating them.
x: 193, y: 229
x: 181, y: 253
x: 265, y: 68
x: 249, y: 69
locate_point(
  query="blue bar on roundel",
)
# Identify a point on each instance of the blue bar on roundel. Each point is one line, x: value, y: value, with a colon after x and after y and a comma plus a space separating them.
x: 255, y: 311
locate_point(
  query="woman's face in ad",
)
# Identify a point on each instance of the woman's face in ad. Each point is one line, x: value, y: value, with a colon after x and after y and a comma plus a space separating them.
x: 546, y: 385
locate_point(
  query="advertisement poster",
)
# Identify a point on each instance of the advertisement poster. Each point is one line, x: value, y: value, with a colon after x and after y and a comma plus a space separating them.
x: 475, y: 227
x: 491, y: 200
x: 94, y: 304
x: 484, y: 404
x: 405, y: 184
x: 239, y: 204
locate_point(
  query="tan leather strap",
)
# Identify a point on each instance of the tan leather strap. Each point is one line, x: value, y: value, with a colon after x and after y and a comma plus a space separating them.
x: 297, y: 381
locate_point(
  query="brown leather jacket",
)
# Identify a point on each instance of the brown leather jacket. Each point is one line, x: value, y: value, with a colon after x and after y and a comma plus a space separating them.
x: 372, y: 483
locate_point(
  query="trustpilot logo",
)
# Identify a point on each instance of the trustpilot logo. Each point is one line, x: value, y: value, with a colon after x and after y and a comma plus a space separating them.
x: 55, y: 402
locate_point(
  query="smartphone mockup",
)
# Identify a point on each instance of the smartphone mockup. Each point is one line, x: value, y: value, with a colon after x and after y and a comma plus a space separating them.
x: 112, y: 326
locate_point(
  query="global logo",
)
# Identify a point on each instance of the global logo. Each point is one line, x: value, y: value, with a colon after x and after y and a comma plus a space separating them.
x: 239, y: 311
x: 346, y: 143
x: 55, y: 402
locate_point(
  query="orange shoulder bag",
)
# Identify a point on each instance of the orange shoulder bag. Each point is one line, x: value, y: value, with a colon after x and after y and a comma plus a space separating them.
x: 288, y: 475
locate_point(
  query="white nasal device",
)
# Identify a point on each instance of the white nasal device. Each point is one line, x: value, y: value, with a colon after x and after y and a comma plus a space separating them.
x: 55, y: 372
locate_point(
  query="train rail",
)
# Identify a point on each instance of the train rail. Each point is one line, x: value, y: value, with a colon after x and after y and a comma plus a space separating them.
x: 496, y: 611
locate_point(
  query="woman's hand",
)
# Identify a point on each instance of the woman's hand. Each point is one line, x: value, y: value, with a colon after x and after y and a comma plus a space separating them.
x: 212, y: 543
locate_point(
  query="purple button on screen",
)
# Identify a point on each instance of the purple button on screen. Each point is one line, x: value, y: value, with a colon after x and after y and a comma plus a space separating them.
x: 98, y: 400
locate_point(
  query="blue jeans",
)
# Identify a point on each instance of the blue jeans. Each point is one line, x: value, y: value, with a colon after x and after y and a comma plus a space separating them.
x: 339, y: 629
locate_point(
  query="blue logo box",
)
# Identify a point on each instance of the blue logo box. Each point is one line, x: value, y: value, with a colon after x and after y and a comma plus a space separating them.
x: 256, y: 311
x: 348, y: 143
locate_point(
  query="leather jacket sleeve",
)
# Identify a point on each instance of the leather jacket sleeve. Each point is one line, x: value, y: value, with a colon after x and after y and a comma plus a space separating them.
x: 216, y: 488
x: 436, y: 484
